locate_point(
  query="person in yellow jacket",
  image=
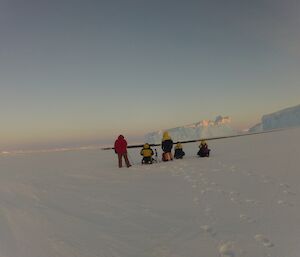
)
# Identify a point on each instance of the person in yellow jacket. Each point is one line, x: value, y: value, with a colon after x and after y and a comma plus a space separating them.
x: 147, y: 154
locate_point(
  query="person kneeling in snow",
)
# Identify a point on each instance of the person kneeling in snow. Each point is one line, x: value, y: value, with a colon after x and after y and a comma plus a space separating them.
x: 204, y: 151
x: 147, y: 154
x: 179, y: 153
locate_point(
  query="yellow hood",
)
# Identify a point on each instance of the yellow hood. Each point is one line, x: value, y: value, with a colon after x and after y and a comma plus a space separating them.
x: 203, y: 142
x: 166, y: 136
x: 178, y: 146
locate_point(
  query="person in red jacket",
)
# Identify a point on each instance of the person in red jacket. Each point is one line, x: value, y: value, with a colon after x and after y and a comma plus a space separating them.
x: 121, y: 150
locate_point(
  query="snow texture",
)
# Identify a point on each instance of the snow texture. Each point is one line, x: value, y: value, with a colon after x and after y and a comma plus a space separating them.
x: 243, y: 201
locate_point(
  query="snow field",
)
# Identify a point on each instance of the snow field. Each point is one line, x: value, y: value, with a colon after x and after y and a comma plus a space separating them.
x: 244, y: 201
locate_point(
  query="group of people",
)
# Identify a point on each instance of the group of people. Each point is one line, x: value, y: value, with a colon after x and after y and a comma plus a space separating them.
x: 147, y: 152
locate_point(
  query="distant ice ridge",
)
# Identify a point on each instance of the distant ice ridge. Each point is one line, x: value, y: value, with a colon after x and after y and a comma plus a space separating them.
x: 289, y: 117
x: 202, y: 129
x: 50, y: 150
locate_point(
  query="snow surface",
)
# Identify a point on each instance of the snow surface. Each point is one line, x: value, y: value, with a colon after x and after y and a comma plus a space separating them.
x: 202, y: 129
x: 243, y: 201
x: 289, y: 117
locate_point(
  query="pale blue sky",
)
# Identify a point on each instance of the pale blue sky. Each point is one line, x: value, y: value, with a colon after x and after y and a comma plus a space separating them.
x: 81, y: 72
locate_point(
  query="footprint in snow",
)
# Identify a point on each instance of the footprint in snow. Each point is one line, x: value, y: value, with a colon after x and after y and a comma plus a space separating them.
x: 263, y: 240
x: 234, y: 197
x: 191, y: 180
x: 246, y: 218
x: 234, y: 193
x: 204, y: 181
x: 252, y: 201
x: 232, y: 169
x: 265, y: 181
x: 202, y: 192
x: 196, y: 200
x: 208, y: 230
x: 188, y: 179
x: 284, y: 185
x: 249, y: 173
x: 161, y: 251
x: 208, y: 210
x: 227, y: 249
x: 221, y: 191
x: 287, y: 192
x: 235, y: 200
x: 285, y: 203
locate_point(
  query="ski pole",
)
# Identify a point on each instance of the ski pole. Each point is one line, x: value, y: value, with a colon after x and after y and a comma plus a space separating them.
x: 130, y: 159
x: 156, y: 156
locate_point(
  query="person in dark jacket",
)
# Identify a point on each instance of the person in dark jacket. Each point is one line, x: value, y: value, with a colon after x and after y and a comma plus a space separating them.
x: 203, y: 151
x: 179, y: 153
x: 147, y: 154
x: 167, y: 145
x: 121, y: 151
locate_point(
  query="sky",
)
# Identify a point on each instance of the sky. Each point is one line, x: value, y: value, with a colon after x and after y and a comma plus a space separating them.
x: 82, y: 72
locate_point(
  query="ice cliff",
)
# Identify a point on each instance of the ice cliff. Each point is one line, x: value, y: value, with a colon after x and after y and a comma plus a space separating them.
x: 289, y: 117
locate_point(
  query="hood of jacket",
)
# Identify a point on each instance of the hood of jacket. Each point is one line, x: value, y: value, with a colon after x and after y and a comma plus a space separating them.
x: 166, y: 136
x: 120, y: 137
